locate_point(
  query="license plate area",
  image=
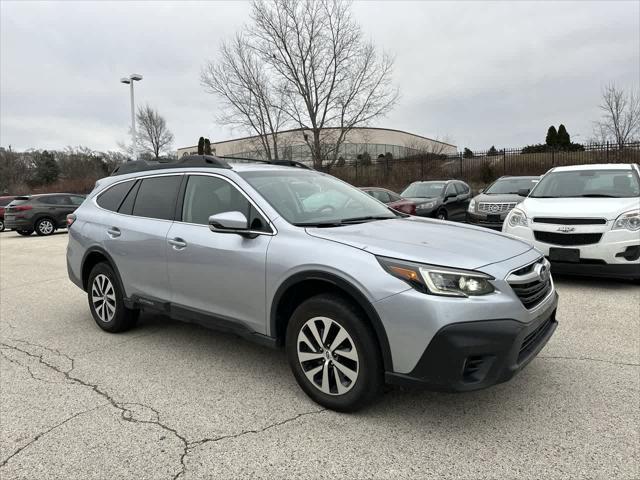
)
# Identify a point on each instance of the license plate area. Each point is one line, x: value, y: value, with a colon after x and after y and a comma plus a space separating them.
x: 571, y: 255
x: 494, y: 219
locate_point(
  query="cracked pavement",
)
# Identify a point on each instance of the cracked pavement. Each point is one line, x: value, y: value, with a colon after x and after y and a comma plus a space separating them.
x: 174, y: 401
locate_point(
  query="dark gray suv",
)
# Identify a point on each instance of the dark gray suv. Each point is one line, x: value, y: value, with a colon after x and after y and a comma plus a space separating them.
x: 43, y: 214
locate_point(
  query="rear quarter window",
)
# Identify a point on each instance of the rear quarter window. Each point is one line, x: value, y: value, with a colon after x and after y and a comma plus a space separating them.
x: 157, y: 197
x: 113, y: 196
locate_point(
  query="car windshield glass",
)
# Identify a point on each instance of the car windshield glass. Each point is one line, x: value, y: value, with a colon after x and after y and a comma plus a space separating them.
x: 308, y: 197
x: 510, y: 185
x: 588, y: 183
x: 424, y: 190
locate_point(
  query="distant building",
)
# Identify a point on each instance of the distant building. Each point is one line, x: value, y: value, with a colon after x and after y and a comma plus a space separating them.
x: 292, y: 145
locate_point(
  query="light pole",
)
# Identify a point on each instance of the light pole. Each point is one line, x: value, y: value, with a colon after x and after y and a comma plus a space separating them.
x: 134, y: 77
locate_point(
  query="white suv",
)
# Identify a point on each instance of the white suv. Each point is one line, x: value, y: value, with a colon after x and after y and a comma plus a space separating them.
x: 585, y: 219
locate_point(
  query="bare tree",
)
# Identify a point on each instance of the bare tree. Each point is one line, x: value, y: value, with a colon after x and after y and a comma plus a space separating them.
x: 153, y: 135
x: 620, y: 120
x: 308, y: 62
x: 249, y: 99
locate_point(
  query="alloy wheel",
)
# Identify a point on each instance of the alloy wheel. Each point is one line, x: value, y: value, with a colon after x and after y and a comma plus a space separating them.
x: 103, y: 296
x: 45, y: 227
x: 328, y: 356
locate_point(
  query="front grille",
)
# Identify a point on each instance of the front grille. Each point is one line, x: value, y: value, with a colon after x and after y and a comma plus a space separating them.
x: 570, y: 221
x: 532, y: 293
x: 567, y: 238
x: 532, y: 340
x: 486, y: 207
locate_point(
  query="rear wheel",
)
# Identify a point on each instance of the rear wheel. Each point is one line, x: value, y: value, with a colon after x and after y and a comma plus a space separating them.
x: 442, y: 214
x: 1, y: 225
x: 24, y: 233
x: 106, y: 301
x: 45, y: 227
x: 333, y: 353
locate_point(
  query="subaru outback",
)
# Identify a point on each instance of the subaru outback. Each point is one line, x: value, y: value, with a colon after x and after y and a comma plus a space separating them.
x: 358, y: 294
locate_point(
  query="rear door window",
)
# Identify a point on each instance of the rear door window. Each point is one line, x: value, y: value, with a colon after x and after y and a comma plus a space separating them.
x: 381, y: 195
x: 157, y: 197
x: 112, y: 197
x: 126, y: 207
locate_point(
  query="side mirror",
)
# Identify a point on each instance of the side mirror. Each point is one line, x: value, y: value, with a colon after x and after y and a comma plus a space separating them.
x: 523, y: 192
x: 229, y: 222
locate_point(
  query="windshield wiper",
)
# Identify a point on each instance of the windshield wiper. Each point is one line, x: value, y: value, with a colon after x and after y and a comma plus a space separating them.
x: 369, y: 218
x: 594, y: 195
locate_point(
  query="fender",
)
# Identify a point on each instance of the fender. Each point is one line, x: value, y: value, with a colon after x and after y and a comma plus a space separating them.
x: 103, y: 252
x: 352, y: 291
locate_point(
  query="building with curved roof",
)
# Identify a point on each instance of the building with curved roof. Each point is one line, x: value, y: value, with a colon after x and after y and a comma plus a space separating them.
x: 292, y: 145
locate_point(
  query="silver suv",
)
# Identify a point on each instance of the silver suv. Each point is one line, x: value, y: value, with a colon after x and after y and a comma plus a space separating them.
x: 357, y: 293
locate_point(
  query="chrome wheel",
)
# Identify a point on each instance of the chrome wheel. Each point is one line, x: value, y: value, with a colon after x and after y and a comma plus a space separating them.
x: 45, y: 227
x: 328, y: 356
x: 103, y: 296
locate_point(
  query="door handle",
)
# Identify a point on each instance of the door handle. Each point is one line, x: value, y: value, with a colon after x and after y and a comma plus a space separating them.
x: 113, y: 232
x: 177, y: 243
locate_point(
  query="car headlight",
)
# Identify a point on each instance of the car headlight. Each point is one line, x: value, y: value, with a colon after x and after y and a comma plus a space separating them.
x: 472, y: 206
x: 517, y: 218
x: 426, y: 206
x: 628, y: 221
x: 439, y: 280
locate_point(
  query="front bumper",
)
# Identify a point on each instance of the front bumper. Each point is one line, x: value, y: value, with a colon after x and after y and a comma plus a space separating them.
x: 482, y: 220
x: 607, y: 258
x: 474, y: 355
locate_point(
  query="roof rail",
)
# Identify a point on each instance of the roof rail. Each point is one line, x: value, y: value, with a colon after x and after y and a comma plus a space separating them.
x: 286, y: 163
x: 188, y: 161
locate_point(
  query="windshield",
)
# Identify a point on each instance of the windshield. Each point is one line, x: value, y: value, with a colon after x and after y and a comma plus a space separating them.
x: 506, y: 186
x: 311, y: 198
x: 424, y: 190
x: 588, y: 183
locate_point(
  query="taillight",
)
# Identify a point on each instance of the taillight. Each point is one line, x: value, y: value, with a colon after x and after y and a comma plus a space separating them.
x: 70, y: 219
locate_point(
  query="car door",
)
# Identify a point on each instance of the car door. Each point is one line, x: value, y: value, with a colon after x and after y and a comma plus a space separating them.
x: 136, y: 234
x: 220, y: 275
x: 451, y: 202
x: 463, y: 199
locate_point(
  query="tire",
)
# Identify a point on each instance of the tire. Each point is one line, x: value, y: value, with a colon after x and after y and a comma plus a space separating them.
x: 1, y: 224
x: 24, y: 233
x: 353, y: 367
x: 106, y: 300
x: 442, y: 214
x: 45, y: 227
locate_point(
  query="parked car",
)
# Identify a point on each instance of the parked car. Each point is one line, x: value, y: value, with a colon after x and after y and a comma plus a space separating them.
x: 356, y: 292
x: 491, y: 206
x: 585, y: 219
x: 391, y: 199
x: 43, y: 214
x: 446, y: 200
x: 4, y: 201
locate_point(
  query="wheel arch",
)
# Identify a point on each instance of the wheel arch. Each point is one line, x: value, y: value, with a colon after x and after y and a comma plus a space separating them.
x: 300, y: 286
x: 92, y: 257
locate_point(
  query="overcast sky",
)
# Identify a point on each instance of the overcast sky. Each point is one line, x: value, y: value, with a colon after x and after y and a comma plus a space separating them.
x: 479, y: 73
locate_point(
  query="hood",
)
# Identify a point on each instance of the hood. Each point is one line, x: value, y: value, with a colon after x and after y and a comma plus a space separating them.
x: 609, y: 208
x: 421, y: 200
x: 499, y: 198
x: 429, y: 241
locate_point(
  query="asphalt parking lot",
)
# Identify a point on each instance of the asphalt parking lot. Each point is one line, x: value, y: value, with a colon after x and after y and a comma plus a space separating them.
x: 169, y: 400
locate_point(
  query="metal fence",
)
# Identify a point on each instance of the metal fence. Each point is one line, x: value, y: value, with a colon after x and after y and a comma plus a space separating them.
x: 477, y: 170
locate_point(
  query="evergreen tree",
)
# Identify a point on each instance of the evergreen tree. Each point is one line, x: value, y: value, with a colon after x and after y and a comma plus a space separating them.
x: 207, y: 147
x: 552, y: 137
x: 46, y: 169
x: 201, y: 146
x: 492, y: 152
x: 467, y: 153
x: 564, y: 140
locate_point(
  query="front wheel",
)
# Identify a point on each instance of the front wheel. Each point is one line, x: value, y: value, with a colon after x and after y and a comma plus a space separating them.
x: 333, y: 353
x: 442, y: 214
x: 1, y: 225
x: 106, y: 301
